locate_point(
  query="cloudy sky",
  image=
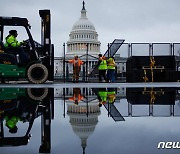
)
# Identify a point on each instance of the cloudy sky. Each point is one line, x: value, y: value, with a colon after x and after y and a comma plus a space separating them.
x: 132, y: 20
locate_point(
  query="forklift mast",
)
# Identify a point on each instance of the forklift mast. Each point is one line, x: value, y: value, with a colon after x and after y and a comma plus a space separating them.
x: 48, y: 48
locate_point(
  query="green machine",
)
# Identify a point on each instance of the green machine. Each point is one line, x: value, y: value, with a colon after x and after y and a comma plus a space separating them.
x: 23, y: 106
x: 40, y: 66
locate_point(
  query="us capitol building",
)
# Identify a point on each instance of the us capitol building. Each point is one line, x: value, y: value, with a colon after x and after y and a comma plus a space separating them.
x: 82, y: 38
x: 83, y: 119
x: 83, y: 42
x: 83, y: 32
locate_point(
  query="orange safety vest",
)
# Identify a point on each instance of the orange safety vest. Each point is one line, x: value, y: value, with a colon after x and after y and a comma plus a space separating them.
x: 74, y: 62
x: 75, y: 97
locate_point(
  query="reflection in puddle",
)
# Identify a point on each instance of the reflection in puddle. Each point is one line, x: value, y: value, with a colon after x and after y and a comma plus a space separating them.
x: 21, y: 108
x: 18, y: 105
x: 83, y: 115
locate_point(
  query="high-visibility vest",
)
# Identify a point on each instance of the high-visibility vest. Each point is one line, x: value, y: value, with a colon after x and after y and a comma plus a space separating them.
x: 11, y: 41
x: 76, y: 97
x: 103, y: 95
x: 11, y: 122
x: 103, y: 65
x: 78, y: 62
x: 111, y: 64
x: 111, y: 96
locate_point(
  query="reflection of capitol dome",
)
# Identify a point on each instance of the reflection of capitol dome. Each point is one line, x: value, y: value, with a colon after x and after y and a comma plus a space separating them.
x: 83, y: 119
x: 83, y: 32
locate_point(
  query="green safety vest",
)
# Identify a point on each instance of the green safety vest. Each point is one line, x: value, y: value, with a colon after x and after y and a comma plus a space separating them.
x: 111, y: 64
x: 103, y: 65
x: 11, y: 41
x: 11, y: 122
x: 103, y: 95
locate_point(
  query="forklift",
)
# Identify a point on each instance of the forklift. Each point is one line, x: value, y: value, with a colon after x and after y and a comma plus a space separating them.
x: 27, y: 104
x: 40, y: 66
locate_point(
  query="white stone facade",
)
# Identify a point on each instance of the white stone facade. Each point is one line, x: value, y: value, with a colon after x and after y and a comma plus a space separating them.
x: 83, y: 37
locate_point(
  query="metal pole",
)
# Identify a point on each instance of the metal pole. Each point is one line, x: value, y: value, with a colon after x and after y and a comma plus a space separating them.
x: 150, y: 49
x: 108, y: 50
x: 87, y: 62
x: 173, y: 49
x: 87, y: 106
x: 64, y: 63
x: 152, y: 52
x: 131, y: 50
x: 64, y: 101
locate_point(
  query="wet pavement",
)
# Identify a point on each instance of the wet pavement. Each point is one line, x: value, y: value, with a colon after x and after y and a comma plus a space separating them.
x: 102, y: 120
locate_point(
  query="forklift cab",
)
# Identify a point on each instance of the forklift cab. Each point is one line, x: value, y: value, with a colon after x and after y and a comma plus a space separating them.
x: 41, y: 60
x: 7, y: 53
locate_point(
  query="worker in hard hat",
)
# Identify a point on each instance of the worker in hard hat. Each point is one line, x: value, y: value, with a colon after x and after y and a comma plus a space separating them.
x: 102, y: 67
x: 14, y: 46
x: 111, y: 67
x: 11, y: 123
x: 102, y: 96
x: 76, y: 67
x: 111, y: 95
x: 77, y: 97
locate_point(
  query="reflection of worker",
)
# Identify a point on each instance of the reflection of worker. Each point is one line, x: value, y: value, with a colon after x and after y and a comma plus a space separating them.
x: 111, y: 95
x: 11, y: 123
x: 76, y: 67
x: 102, y: 67
x: 111, y: 69
x: 15, y: 47
x: 102, y: 96
x: 76, y: 96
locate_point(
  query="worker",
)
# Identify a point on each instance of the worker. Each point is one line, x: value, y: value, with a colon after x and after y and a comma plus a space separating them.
x: 111, y: 66
x: 76, y: 67
x: 11, y: 123
x: 76, y: 96
x: 15, y: 47
x: 111, y: 95
x: 102, y: 96
x: 102, y: 67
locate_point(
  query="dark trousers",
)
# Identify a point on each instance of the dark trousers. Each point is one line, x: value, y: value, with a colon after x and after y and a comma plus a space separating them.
x: 23, y: 56
x: 102, y: 73
x: 110, y: 75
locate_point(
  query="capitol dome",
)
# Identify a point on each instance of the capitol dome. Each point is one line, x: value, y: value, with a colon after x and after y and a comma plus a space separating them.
x: 83, y: 119
x: 82, y: 36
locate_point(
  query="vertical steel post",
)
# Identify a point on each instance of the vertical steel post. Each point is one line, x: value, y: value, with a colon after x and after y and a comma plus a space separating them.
x: 64, y: 62
x: 108, y: 50
x: 150, y: 45
x: 64, y: 102
x: 87, y: 62
x: 129, y: 49
x: 87, y: 106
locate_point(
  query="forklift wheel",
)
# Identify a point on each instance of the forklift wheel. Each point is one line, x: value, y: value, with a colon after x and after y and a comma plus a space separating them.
x: 37, y: 94
x: 37, y: 73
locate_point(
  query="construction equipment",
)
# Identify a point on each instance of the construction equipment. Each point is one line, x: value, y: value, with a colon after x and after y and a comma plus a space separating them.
x: 25, y: 105
x: 40, y: 66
